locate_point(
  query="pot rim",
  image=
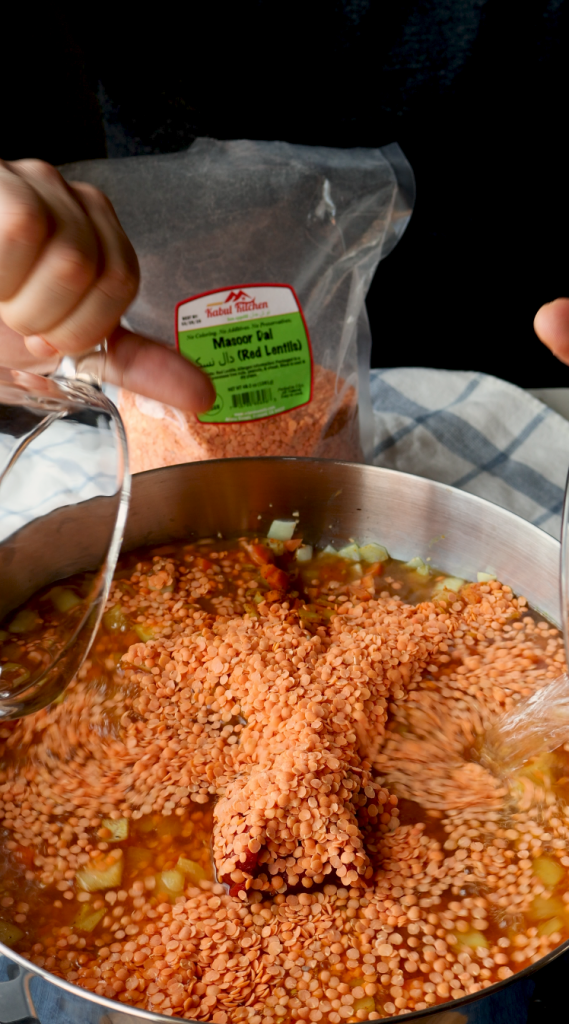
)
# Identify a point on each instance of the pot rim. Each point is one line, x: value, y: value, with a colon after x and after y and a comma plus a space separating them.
x: 150, y: 1015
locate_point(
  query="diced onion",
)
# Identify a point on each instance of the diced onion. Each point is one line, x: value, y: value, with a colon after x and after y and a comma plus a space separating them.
x: 118, y: 827
x: 449, y: 583
x: 555, y: 924
x: 365, y: 1003
x: 419, y: 566
x: 304, y: 553
x: 374, y: 553
x: 276, y: 545
x: 24, y: 621
x: 63, y: 599
x: 351, y: 552
x: 549, y: 871
x: 9, y: 933
x: 192, y: 869
x: 329, y: 550
x: 92, y: 879
x: 541, y: 909
x: 172, y: 880
x: 282, y: 529
x: 115, y: 620
x: 485, y: 577
x: 474, y: 939
x: 144, y: 633
x: 87, y: 919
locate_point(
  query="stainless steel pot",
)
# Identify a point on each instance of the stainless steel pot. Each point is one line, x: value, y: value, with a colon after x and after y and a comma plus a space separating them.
x: 410, y: 515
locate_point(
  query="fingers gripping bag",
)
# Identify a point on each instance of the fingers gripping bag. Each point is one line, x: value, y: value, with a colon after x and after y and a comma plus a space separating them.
x: 255, y: 261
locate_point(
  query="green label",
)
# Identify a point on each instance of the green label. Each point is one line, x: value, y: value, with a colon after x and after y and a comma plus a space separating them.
x: 259, y: 363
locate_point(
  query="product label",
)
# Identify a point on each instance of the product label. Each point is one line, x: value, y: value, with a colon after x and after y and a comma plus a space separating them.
x: 253, y: 342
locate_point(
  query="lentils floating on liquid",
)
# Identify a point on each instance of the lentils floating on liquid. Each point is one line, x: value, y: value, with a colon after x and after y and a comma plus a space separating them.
x: 365, y: 863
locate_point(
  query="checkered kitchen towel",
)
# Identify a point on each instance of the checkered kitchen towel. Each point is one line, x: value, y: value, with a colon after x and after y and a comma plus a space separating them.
x: 70, y: 462
x: 475, y: 432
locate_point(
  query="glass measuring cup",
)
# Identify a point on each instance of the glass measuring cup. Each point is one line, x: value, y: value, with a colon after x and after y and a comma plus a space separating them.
x: 63, y: 454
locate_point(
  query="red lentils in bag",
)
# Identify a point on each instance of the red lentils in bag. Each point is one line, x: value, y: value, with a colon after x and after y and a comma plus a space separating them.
x: 259, y: 255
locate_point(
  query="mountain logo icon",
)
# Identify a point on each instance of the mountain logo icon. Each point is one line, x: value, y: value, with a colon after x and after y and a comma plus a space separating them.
x: 237, y: 300
x: 239, y: 296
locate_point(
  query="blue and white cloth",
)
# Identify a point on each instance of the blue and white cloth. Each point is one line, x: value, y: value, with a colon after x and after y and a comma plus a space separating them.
x: 475, y: 432
x: 68, y: 463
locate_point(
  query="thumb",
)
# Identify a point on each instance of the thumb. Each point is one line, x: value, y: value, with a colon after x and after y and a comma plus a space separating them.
x: 551, y: 324
x: 151, y: 369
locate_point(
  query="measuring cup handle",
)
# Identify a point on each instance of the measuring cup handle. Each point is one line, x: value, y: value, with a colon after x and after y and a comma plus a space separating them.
x: 16, y: 1003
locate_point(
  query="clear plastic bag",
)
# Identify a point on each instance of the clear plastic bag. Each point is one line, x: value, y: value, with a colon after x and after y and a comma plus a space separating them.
x: 233, y: 218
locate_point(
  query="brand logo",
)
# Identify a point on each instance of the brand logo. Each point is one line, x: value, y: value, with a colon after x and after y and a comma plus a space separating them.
x: 243, y: 303
x: 239, y: 296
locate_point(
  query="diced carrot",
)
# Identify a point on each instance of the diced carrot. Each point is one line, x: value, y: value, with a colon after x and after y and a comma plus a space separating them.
x: 203, y: 563
x: 25, y: 855
x: 276, y: 577
x: 375, y: 570
x: 258, y: 553
x: 292, y: 545
x: 248, y: 865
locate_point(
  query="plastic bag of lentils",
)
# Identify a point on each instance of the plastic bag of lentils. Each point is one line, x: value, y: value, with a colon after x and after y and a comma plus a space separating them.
x: 255, y: 261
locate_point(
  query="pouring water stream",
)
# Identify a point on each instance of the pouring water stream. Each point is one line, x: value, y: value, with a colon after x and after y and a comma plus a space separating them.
x: 540, y: 723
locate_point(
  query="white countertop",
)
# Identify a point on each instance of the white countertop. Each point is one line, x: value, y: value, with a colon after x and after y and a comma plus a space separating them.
x: 556, y: 398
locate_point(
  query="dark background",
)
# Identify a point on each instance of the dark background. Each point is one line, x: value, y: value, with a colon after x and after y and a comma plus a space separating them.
x: 473, y: 90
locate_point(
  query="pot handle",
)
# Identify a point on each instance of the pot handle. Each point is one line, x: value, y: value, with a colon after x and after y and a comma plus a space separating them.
x: 16, y: 1003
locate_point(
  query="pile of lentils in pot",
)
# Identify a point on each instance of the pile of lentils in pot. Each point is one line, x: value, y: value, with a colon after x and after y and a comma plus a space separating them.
x: 263, y: 799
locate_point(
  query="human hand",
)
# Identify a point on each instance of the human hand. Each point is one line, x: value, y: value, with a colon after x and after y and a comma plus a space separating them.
x: 67, y: 274
x: 551, y: 324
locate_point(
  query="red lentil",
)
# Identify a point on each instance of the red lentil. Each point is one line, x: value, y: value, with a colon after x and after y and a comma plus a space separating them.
x: 326, y: 428
x: 271, y: 809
